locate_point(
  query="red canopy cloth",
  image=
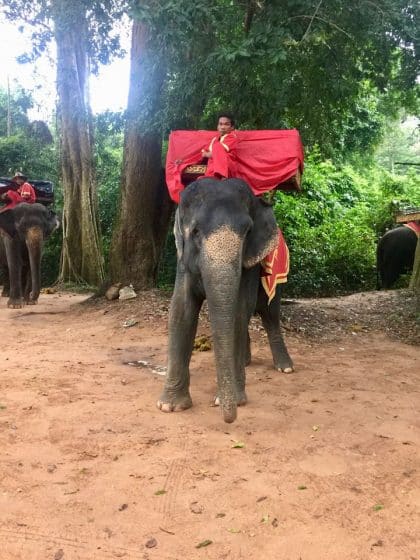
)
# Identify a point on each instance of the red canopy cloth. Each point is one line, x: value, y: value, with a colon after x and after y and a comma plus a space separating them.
x: 265, y: 158
x: 275, y: 267
x: 415, y: 226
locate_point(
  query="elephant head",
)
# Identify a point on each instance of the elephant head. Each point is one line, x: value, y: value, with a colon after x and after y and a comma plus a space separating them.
x: 222, y: 232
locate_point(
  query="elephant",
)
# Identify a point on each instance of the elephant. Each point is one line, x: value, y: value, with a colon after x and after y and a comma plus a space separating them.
x: 222, y: 233
x: 395, y: 255
x: 24, y: 229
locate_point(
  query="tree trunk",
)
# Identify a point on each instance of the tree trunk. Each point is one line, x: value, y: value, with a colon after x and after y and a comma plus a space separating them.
x: 81, y: 258
x: 145, y: 206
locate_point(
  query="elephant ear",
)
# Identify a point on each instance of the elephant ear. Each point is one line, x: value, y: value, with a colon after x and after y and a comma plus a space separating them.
x: 263, y: 237
x: 7, y: 223
x: 179, y: 238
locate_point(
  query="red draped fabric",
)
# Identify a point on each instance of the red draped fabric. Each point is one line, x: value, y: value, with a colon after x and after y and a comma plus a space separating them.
x: 275, y: 267
x: 265, y: 158
x: 415, y: 226
x: 222, y: 164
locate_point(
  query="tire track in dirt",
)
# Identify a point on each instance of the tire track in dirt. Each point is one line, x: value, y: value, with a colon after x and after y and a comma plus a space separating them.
x: 24, y: 539
x: 173, y: 482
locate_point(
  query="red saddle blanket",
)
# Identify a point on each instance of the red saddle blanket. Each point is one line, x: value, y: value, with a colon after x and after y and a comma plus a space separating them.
x: 265, y: 158
x: 415, y: 226
x: 275, y: 268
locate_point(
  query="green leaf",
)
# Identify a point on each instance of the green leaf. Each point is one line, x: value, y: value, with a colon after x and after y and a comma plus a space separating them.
x: 160, y: 492
x: 238, y: 445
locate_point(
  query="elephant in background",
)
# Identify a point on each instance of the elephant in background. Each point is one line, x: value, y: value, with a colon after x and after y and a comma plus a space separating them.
x: 395, y: 255
x: 24, y: 229
x: 222, y: 233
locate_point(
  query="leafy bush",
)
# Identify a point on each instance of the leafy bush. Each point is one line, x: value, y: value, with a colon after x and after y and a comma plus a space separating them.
x: 332, y: 226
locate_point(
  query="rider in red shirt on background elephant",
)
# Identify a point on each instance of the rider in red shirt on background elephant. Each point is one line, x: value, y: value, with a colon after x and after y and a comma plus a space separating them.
x: 24, y: 193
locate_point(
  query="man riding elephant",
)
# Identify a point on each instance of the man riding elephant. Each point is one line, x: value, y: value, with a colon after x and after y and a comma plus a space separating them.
x: 22, y: 192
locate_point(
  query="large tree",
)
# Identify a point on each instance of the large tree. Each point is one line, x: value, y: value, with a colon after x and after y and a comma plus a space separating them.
x: 82, y: 33
x: 328, y: 68
x: 144, y: 205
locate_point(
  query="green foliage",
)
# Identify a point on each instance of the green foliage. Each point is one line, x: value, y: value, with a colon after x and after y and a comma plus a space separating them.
x: 400, y: 144
x: 332, y: 226
x: 29, y: 147
x: 51, y: 258
x: 109, y: 141
x: 333, y: 70
x: 14, y: 108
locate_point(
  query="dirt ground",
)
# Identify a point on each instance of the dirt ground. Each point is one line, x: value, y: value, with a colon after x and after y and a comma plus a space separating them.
x: 322, y: 464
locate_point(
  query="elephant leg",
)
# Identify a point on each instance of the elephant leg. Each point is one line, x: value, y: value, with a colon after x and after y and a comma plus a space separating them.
x: 183, y: 318
x: 270, y: 316
x: 6, y: 283
x: 242, y: 343
x: 34, y: 241
x: 14, y: 261
x: 26, y: 283
x: 248, y: 355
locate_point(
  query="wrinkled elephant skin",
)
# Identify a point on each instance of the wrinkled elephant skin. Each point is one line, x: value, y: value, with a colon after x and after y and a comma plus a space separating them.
x: 23, y: 232
x: 222, y: 232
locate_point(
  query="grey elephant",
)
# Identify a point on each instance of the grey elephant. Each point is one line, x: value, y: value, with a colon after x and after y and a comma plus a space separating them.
x: 222, y: 233
x: 24, y: 229
x: 395, y: 255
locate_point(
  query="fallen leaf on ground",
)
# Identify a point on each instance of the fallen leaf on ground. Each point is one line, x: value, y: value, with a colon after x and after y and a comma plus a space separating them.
x: 203, y: 543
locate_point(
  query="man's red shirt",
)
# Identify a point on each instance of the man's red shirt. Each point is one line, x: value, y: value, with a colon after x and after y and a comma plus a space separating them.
x: 25, y: 193
x: 222, y: 163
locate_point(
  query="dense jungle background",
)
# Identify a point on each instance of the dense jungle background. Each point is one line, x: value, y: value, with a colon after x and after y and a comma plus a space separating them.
x: 345, y: 76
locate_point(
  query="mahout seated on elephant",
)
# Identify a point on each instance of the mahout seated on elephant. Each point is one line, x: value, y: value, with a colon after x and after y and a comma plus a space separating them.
x: 24, y: 229
x: 222, y: 233
x: 395, y: 253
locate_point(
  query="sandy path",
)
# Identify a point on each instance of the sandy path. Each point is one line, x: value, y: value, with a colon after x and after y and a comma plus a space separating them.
x: 90, y: 469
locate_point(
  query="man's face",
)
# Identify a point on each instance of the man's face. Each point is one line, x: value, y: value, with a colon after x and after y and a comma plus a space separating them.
x: 224, y: 125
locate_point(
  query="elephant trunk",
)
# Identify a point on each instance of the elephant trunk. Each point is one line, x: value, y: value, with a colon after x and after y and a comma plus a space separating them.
x: 221, y: 278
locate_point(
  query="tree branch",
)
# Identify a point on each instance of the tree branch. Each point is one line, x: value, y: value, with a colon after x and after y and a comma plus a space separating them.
x: 324, y: 20
x: 312, y: 19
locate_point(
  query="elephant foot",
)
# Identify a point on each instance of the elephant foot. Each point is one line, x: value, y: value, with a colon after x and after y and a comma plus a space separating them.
x: 284, y: 364
x: 242, y: 399
x: 15, y: 303
x: 31, y: 302
x: 174, y: 403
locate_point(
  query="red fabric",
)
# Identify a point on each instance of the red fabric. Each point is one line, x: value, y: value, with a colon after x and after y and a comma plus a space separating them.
x: 415, y: 226
x: 275, y: 268
x: 265, y: 158
x: 222, y: 163
x: 25, y: 193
